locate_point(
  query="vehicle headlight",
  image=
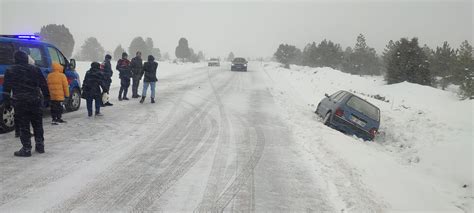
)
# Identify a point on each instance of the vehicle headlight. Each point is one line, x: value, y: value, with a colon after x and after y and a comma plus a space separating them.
x: 245, y: 64
x: 232, y: 64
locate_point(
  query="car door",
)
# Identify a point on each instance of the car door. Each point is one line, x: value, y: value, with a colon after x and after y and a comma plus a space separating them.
x: 326, y: 103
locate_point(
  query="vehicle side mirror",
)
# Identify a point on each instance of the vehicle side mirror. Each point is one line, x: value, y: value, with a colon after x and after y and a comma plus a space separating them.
x: 327, y: 96
x: 72, y: 64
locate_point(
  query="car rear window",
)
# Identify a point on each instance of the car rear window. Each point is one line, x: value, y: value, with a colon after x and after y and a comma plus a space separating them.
x: 6, y: 53
x: 364, y: 107
x: 239, y: 60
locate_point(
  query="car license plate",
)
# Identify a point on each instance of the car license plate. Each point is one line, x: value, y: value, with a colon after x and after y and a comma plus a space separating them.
x: 357, y: 121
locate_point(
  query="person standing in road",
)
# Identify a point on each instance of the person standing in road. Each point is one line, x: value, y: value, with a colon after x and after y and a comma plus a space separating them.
x: 150, y: 78
x: 93, y: 87
x: 123, y: 66
x: 25, y: 87
x: 106, y: 67
x: 137, y: 73
x: 58, y: 90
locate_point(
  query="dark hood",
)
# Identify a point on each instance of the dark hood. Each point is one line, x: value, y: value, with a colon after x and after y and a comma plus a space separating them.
x: 95, y: 66
x: 151, y: 58
x: 21, y: 57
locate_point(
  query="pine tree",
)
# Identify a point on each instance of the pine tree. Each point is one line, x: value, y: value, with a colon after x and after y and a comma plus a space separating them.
x: 155, y: 52
x: 231, y: 56
x: 149, y: 44
x: 407, y: 63
x: 443, y: 64
x: 166, y: 56
x: 59, y: 36
x: 364, y: 59
x: 91, y: 50
x: 287, y: 54
x: 118, y: 52
x: 138, y: 44
x: 182, y: 50
x: 465, y: 68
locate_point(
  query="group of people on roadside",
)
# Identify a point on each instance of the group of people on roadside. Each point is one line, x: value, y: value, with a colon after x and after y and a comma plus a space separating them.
x: 25, y: 89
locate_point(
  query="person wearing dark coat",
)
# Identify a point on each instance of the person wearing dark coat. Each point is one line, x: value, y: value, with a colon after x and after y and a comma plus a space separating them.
x: 25, y: 88
x: 93, y: 87
x: 106, y: 67
x: 149, y: 68
x: 137, y: 73
x: 123, y: 66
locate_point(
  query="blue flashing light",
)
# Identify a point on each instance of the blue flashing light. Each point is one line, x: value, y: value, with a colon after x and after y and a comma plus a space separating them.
x: 26, y: 37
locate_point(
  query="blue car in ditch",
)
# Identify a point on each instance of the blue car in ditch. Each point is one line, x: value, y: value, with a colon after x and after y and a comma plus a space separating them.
x: 43, y: 55
x: 350, y: 114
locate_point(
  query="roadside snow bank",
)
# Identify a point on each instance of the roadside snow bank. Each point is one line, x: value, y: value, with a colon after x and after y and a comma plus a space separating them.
x: 423, y: 157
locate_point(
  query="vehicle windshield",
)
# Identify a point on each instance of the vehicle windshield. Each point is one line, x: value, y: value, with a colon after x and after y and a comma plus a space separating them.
x: 364, y: 107
x: 214, y: 59
x: 239, y: 60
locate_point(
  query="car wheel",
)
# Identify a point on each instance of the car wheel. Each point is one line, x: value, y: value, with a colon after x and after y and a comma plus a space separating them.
x: 7, y: 122
x: 327, y: 119
x: 74, y: 102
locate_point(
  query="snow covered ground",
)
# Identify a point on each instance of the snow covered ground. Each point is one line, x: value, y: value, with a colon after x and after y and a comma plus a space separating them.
x: 248, y: 141
x: 421, y: 160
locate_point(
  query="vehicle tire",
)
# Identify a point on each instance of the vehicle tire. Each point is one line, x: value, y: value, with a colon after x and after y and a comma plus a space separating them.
x: 327, y: 119
x: 245, y: 69
x: 7, y: 122
x: 74, y: 102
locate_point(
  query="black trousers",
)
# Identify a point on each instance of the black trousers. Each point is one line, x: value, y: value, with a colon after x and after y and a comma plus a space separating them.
x: 30, y: 112
x: 136, y: 84
x: 56, y: 109
x: 124, y: 85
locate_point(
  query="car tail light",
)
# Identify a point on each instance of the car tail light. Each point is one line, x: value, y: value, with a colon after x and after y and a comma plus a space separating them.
x: 339, y: 112
x: 2, y: 79
x: 373, y: 132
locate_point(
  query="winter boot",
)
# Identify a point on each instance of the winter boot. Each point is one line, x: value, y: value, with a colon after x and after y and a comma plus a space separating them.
x: 39, y: 148
x: 125, y: 99
x: 60, y: 120
x: 98, y: 114
x: 142, y: 100
x: 152, y: 100
x: 23, y: 152
x: 108, y: 104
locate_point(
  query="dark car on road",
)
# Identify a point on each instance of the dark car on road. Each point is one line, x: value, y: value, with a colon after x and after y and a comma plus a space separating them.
x: 350, y: 114
x: 239, y: 64
x: 44, y: 55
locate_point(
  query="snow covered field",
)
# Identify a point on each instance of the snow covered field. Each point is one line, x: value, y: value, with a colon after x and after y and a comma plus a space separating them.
x: 248, y: 141
x: 421, y: 160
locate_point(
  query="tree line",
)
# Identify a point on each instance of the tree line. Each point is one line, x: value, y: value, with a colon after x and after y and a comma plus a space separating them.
x: 402, y: 60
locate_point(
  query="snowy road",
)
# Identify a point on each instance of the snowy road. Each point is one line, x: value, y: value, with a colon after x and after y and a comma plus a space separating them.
x: 214, y: 141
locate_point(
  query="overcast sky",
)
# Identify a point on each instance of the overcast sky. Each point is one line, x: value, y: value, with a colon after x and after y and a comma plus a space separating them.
x: 248, y: 28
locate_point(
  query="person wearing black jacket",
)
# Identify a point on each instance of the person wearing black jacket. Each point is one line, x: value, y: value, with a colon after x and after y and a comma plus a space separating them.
x: 106, y: 67
x: 136, y: 66
x: 25, y: 88
x: 123, y: 66
x: 92, y: 88
x: 149, y: 68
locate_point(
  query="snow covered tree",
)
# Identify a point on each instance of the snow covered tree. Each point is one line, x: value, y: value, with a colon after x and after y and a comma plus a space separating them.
x: 408, y: 63
x: 364, y: 59
x: 166, y: 56
x: 149, y: 49
x: 287, y: 54
x: 138, y: 44
x: 443, y: 64
x: 231, y: 56
x: 118, y: 52
x: 156, y: 53
x: 59, y: 36
x: 465, y: 60
x: 182, y: 50
x: 201, y: 56
x: 91, y: 50
x: 325, y: 54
